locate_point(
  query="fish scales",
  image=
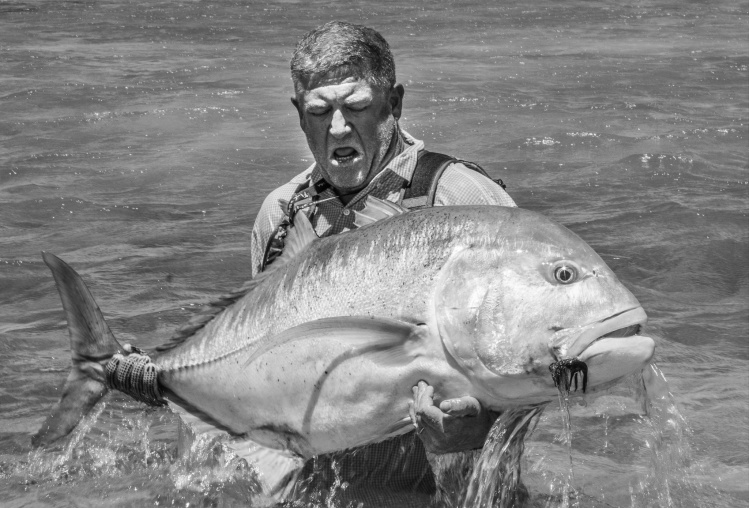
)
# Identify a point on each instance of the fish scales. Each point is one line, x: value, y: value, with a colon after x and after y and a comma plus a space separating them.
x: 341, y: 274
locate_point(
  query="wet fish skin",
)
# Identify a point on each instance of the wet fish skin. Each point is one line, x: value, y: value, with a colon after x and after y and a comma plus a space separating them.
x: 422, y: 268
x: 322, y: 353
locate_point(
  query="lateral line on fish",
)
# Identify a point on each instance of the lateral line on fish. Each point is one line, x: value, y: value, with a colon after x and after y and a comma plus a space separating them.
x: 205, y: 361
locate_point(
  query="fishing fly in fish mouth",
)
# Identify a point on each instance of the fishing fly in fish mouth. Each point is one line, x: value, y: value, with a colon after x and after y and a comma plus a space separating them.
x: 441, y: 307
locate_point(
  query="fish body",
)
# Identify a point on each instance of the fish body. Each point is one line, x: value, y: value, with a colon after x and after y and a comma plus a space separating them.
x: 322, y: 353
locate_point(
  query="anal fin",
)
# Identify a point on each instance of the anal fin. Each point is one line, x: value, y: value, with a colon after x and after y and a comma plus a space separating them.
x: 278, y: 469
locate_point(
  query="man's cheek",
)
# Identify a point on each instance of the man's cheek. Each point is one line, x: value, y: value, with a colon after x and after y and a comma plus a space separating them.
x: 313, y: 126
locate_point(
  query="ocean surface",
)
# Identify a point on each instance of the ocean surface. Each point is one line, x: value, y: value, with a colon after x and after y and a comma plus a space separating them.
x: 139, y: 138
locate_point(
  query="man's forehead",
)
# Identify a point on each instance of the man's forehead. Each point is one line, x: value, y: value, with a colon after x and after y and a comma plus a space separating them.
x: 350, y: 88
x: 340, y: 74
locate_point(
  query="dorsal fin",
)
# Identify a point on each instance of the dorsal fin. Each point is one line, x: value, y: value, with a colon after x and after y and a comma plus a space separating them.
x: 297, y: 240
x: 376, y: 209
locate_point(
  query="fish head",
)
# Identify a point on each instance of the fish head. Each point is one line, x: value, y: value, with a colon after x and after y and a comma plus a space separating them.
x: 525, y: 293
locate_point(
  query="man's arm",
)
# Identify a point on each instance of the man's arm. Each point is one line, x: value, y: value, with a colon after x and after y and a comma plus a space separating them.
x: 459, y: 185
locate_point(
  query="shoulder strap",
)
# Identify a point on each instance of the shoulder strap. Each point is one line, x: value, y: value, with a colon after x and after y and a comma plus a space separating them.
x: 429, y: 168
x: 276, y: 241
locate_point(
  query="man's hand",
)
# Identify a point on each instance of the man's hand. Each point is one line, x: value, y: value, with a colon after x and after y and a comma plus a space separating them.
x: 456, y: 425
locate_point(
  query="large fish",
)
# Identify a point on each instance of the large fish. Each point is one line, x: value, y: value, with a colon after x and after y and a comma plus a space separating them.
x: 323, y: 350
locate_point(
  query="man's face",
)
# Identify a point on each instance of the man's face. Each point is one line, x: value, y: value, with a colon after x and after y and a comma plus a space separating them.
x: 349, y: 125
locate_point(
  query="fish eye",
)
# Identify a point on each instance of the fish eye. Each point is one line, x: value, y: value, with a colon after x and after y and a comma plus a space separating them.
x: 565, y: 274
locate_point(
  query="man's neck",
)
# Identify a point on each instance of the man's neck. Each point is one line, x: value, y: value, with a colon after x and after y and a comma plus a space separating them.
x: 395, y: 148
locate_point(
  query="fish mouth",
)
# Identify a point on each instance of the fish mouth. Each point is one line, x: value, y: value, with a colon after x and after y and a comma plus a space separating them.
x: 572, y: 342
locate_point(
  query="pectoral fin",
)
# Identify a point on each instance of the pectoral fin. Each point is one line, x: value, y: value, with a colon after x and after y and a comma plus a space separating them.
x: 388, y: 341
x: 299, y: 237
x: 376, y: 209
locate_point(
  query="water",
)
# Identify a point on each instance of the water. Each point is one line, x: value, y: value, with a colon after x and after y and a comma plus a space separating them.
x: 138, y: 139
x: 496, y: 476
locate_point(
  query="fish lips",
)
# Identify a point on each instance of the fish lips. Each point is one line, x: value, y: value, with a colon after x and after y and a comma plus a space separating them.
x: 573, y: 342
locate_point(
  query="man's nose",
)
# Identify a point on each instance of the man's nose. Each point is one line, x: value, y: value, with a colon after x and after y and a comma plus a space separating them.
x: 339, y: 127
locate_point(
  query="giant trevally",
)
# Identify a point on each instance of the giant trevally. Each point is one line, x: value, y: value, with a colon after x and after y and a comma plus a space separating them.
x: 320, y: 352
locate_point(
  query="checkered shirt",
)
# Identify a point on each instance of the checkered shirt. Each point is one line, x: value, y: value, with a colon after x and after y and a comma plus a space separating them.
x: 458, y: 185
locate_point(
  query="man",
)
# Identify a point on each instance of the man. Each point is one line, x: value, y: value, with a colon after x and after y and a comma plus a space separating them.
x: 349, y: 105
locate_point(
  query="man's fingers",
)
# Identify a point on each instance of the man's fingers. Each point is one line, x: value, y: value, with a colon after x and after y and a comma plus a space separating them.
x: 432, y: 417
x: 423, y: 395
x: 425, y: 390
x: 443, y: 429
x: 464, y: 406
x: 422, y: 410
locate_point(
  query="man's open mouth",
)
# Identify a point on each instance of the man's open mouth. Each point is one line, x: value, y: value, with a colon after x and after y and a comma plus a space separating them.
x: 345, y: 155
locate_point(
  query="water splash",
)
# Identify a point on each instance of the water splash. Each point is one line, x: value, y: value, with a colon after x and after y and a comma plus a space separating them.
x: 672, y: 478
x: 129, y: 455
x: 312, y: 492
x: 452, y: 472
x: 495, y: 481
x: 568, y: 493
x: 43, y: 466
x: 566, y: 374
x: 207, y: 471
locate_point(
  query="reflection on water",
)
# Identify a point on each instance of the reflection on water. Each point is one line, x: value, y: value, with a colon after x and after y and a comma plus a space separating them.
x: 138, y: 139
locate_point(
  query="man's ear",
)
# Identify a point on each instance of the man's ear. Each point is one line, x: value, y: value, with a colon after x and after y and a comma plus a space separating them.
x: 298, y: 107
x: 396, y: 100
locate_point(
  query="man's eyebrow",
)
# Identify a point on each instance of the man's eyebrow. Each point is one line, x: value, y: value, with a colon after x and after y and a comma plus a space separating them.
x: 358, y: 97
x: 315, y: 104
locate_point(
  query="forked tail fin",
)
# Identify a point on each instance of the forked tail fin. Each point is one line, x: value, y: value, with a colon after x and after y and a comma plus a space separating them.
x: 92, y: 344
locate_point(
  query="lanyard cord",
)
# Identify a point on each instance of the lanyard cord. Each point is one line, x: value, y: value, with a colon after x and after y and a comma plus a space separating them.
x: 310, y: 198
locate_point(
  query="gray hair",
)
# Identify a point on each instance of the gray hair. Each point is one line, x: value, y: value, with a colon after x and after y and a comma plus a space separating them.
x: 339, y: 44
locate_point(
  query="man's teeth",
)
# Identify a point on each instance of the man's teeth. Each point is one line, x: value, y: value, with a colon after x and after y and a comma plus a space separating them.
x: 344, y: 154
